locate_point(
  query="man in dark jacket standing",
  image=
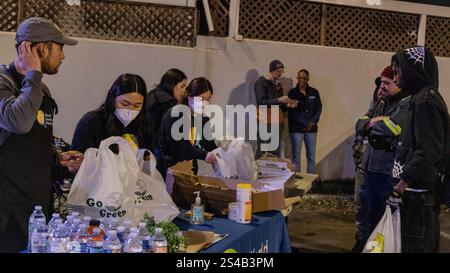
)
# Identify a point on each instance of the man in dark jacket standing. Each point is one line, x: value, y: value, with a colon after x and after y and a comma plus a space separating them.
x: 422, y: 146
x: 378, y: 159
x: 303, y: 120
x: 269, y: 92
x: 26, y: 130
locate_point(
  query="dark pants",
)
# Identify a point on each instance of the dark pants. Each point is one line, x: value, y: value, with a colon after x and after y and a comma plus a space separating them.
x: 420, y: 222
x: 13, y: 234
x: 270, y: 128
x: 372, y: 203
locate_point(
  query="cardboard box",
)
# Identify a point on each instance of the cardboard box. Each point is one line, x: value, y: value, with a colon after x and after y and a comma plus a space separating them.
x: 216, y: 192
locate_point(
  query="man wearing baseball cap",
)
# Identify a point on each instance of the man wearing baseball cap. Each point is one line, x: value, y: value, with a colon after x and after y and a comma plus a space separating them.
x: 26, y: 130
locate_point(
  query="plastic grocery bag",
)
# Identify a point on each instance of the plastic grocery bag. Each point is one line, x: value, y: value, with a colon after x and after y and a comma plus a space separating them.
x: 104, y: 185
x: 235, y: 160
x: 150, y: 195
x: 386, y: 238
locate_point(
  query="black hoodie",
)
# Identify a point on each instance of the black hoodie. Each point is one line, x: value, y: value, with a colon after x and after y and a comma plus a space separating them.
x: 424, y: 140
x: 157, y: 103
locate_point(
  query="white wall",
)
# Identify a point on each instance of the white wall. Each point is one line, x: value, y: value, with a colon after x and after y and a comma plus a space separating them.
x: 344, y: 78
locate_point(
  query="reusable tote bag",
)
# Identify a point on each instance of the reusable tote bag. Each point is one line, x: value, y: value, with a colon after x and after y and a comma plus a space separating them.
x: 104, y: 185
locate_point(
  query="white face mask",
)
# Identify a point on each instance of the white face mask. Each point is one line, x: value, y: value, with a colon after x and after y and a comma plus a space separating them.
x: 126, y: 116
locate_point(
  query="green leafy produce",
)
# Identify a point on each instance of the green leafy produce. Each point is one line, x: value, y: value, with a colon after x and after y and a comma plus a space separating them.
x: 175, y: 241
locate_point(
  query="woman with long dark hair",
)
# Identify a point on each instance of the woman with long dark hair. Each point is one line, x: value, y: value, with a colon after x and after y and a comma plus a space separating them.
x: 173, y: 151
x: 170, y: 91
x: 120, y: 115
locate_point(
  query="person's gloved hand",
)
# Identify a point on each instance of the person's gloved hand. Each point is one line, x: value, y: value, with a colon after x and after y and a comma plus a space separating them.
x: 394, y: 199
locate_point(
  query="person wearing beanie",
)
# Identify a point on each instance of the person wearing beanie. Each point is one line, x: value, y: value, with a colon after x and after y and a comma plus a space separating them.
x: 26, y: 130
x: 423, y: 150
x: 269, y: 92
x: 378, y: 159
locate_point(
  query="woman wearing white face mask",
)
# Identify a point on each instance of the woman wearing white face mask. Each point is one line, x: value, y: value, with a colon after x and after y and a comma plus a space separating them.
x: 120, y: 115
x: 173, y: 151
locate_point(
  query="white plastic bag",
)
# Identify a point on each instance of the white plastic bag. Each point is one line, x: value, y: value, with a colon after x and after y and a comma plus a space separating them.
x: 150, y: 193
x: 104, y: 184
x: 386, y: 238
x: 235, y: 160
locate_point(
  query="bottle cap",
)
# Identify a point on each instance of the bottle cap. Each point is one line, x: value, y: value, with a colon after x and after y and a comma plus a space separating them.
x: 94, y: 222
x: 38, y: 207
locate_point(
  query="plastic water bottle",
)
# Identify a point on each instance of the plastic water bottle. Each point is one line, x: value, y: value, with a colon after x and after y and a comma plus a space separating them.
x: 60, y: 240
x: 121, y: 235
x: 159, y: 243
x: 112, y: 225
x: 133, y: 244
x: 74, y: 228
x: 37, y: 213
x: 145, y: 238
x: 127, y: 224
x: 55, y: 216
x: 112, y: 243
x: 69, y: 221
x: 75, y: 214
x: 79, y: 242
x: 95, y: 242
x: 39, y: 237
x: 86, y: 220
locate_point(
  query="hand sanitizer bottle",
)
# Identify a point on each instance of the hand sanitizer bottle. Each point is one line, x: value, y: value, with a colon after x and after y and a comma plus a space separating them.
x: 197, y: 211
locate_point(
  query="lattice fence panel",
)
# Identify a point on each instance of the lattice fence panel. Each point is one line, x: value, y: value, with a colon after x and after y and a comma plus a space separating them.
x: 220, y: 16
x: 122, y: 21
x: 8, y: 15
x: 370, y: 29
x: 282, y: 20
x: 438, y: 35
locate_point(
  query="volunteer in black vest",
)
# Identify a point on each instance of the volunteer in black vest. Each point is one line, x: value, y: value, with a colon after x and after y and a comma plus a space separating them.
x: 122, y: 114
x: 26, y: 130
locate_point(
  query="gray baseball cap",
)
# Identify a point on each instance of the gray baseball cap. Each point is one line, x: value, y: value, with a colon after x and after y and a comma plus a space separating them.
x: 38, y: 29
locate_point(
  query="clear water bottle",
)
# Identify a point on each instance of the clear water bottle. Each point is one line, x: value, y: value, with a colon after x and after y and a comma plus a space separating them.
x: 60, y: 239
x: 69, y: 220
x: 86, y: 220
x: 37, y: 214
x: 112, y: 243
x: 159, y: 243
x: 127, y: 224
x: 133, y: 244
x: 145, y: 238
x: 80, y: 240
x: 75, y: 214
x: 74, y: 228
x: 96, y: 240
x: 39, y: 237
x: 55, y: 216
x: 112, y: 224
x: 121, y: 234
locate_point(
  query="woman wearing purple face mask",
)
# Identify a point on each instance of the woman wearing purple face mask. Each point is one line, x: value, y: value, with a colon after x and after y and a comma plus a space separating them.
x: 199, y: 94
x: 120, y: 115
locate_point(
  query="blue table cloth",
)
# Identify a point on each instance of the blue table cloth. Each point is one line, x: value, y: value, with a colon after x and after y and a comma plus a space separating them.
x: 267, y: 233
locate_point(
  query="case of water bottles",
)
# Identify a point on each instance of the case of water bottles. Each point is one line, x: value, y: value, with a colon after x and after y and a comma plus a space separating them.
x: 78, y: 234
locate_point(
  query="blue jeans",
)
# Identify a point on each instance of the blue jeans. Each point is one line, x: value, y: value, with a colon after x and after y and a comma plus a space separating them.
x: 373, y: 194
x: 310, y: 144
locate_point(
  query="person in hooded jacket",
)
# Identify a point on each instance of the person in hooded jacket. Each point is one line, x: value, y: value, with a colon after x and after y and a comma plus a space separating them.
x: 121, y: 114
x: 421, y: 148
x: 170, y: 91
